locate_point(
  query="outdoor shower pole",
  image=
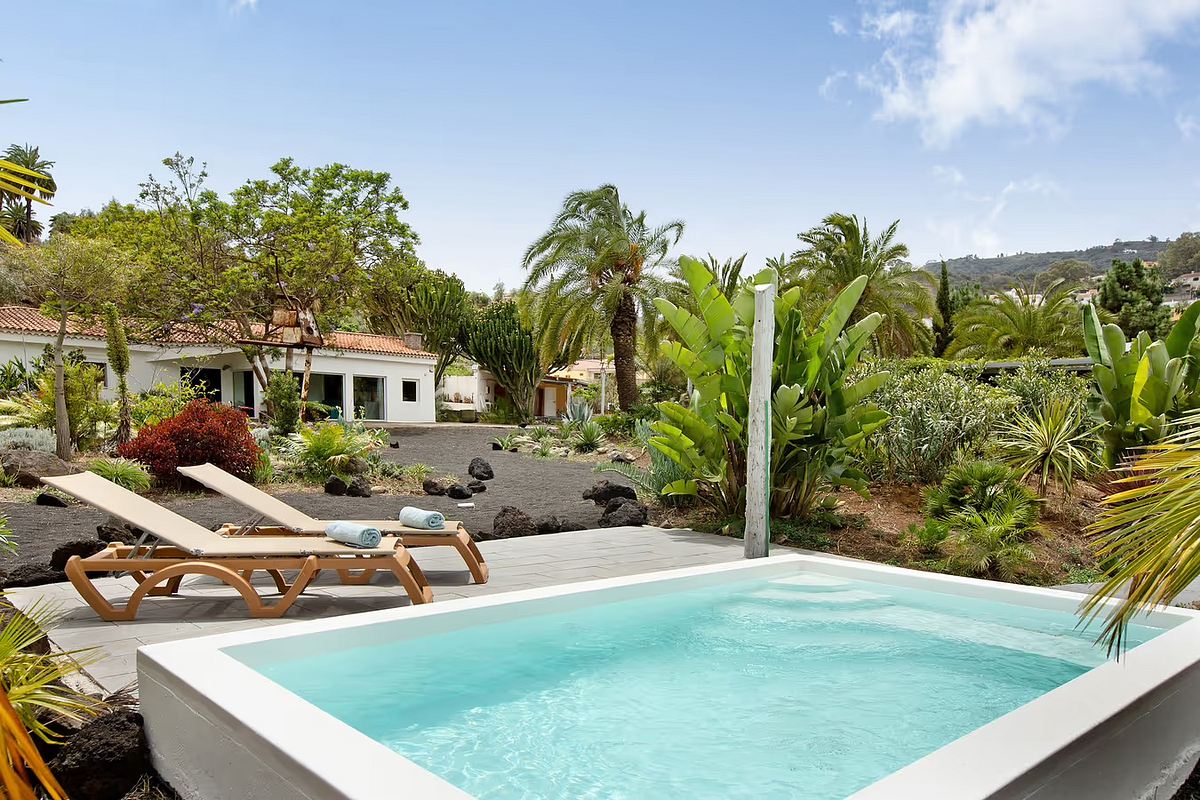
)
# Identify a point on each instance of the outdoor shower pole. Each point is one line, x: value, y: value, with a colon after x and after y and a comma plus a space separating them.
x: 758, y: 446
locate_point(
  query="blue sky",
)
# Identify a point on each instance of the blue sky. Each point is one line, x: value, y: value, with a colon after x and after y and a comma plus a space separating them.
x: 985, y: 126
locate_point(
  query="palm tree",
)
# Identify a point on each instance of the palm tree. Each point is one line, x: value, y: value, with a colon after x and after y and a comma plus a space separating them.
x: 14, y: 220
x: 595, y: 267
x: 1018, y: 322
x: 839, y: 250
x: 38, y: 184
x: 1150, y: 532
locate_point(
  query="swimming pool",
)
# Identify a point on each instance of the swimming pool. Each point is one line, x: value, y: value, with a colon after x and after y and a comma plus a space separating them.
x: 800, y: 676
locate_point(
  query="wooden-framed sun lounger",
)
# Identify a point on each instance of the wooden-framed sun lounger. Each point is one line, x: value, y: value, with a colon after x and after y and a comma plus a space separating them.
x: 288, y: 519
x: 181, y: 547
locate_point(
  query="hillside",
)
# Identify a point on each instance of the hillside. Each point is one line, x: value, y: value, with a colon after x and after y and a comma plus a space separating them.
x: 1004, y: 271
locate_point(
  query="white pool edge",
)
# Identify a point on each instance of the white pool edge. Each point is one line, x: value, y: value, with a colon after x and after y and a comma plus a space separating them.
x: 218, y: 728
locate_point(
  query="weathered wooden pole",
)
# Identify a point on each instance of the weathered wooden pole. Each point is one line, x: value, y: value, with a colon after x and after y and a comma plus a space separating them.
x: 758, y: 445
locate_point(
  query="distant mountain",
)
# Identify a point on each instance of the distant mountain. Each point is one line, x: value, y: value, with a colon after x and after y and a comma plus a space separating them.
x: 1004, y: 271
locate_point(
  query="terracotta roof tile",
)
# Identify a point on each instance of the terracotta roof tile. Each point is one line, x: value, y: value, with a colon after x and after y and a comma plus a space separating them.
x: 25, y: 319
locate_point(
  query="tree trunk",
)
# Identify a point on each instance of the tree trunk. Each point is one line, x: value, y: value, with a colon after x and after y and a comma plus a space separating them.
x: 304, y: 380
x: 624, y: 336
x: 62, y: 423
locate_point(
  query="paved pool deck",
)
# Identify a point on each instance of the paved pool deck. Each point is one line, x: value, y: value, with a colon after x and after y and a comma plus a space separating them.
x: 207, y: 606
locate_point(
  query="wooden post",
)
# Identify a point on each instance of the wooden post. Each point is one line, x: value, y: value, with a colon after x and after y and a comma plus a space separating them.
x: 758, y: 446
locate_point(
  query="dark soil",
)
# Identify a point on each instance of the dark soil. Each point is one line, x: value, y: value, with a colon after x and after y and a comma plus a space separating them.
x: 536, y: 486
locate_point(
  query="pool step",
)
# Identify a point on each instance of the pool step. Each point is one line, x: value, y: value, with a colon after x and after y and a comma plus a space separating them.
x: 810, y: 580
x: 839, y: 597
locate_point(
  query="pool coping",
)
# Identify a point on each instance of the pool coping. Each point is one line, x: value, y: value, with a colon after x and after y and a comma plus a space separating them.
x: 304, y: 752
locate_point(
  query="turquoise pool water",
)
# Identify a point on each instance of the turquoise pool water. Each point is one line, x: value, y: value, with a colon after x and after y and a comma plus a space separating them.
x: 807, y: 686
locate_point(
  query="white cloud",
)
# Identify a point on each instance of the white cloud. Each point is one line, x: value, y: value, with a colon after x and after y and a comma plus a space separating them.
x: 985, y: 62
x: 829, y: 86
x: 1188, y: 124
x: 238, y: 6
x: 838, y: 26
x: 883, y: 24
x: 975, y: 229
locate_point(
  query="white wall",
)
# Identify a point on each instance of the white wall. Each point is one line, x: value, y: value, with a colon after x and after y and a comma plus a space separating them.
x: 150, y: 365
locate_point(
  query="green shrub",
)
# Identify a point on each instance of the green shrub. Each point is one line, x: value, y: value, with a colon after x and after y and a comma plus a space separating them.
x: 991, y: 543
x: 928, y: 536
x: 936, y: 419
x: 126, y: 472
x: 417, y: 472
x: 264, y: 469
x: 587, y: 437
x: 1036, y: 384
x: 163, y: 401
x: 332, y: 448
x: 89, y: 416
x: 35, y: 439
x: 978, y: 487
x: 543, y: 450
x: 283, y: 402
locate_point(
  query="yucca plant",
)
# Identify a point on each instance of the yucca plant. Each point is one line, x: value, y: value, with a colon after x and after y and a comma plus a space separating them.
x: 1149, y: 532
x: 126, y: 472
x: 1054, y: 444
x: 588, y: 436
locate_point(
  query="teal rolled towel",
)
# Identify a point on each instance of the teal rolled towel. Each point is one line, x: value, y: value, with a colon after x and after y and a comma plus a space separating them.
x: 419, y: 518
x: 353, y: 534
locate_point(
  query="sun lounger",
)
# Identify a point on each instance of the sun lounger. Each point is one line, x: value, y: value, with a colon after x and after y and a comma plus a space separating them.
x: 175, y: 546
x: 295, y: 521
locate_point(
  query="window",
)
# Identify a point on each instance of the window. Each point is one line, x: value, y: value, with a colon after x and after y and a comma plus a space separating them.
x: 243, y: 391
x: 205, y: 379
x: 368, y: 397
x: 408, y: 391
x: 328, y: 390
x: 102, y: 375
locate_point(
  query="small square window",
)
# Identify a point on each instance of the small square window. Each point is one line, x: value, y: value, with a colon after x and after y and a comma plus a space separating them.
x: 408, y: 391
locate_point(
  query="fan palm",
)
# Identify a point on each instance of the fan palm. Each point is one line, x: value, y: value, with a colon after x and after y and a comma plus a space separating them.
x: 839, y: 250
x: 595, y: 268
x: 1150, y: 532
x: 1018, y: 322
x: 38, y: 185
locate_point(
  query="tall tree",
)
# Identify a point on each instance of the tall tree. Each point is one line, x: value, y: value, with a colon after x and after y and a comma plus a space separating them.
x: 118, y: 359
x: 1133, y: 294
x: 596, y: 265
x: 841, y: 249
x: 1019, y: 322
x: 1181, y: 255
x: 74, y: 277
x: 405, y: 297
x: 943, y: 323
x: 27, y: 157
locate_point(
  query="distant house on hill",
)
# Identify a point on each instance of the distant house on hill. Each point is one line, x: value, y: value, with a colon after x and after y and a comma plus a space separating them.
x: 378, y: 378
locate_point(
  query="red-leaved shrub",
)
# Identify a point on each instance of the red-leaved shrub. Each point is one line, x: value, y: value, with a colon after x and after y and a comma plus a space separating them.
x: 202, y: 431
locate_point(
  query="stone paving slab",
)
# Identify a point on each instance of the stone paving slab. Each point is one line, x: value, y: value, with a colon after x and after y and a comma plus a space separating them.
x: 206, y: 606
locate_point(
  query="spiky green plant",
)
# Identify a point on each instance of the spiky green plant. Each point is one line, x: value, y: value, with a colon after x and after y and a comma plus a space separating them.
x: 329, y: 448
x: 34, y: 681
x: 1052, y: 444
x: 1149, y: 532
x: 509, y: 441
x: 661, y: 472
x: 126, y: 472
x: 1018, y: 322
x: 587, y: 436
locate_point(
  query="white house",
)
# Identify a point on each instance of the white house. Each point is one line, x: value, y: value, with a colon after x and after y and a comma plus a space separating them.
x: 378, y: 378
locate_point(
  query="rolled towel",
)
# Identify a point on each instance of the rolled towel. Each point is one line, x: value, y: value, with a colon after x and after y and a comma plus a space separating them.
x: 419, y: 518
x: 353, y: 534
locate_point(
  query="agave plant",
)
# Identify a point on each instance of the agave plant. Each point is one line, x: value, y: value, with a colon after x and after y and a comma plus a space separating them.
x: 578, y: 411
x: 1053, y: 444
x: 1142, y: 383
x: 817, y: 416
x: 1149, y: 532
x: 588, y: 436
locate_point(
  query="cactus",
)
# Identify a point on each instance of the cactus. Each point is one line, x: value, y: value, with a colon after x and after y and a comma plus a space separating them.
x: 1141, y: 383
x: 499, y: 342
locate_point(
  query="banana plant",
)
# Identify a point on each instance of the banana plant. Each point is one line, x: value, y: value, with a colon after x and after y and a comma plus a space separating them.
x: 817, y: 418
x: 1142, y: 383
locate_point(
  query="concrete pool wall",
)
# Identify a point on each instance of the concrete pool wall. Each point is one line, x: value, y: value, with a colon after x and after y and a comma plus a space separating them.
x: 218, y: 729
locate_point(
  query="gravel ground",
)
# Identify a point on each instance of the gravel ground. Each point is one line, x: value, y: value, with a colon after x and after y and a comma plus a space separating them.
x: 537, y: 486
